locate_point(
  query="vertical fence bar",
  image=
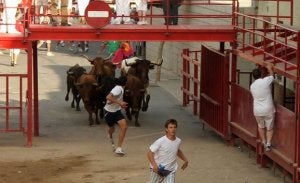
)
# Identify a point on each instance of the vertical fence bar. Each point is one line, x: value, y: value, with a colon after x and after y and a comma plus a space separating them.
x: 7, y: 104
x: 184, y: 78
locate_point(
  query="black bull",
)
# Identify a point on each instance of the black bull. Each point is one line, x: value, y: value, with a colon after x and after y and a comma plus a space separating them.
x: 140, y: 68
x: 94, y: 94
x: 73, y: 74
x: 133, y: 95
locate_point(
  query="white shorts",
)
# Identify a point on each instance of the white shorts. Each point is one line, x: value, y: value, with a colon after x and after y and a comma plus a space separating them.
x: 15, y: 51
x: 265, y: 121
x: 141, y: 5
x: 41, y: 3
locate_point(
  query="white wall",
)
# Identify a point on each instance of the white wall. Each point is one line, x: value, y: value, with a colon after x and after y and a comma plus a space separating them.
x: 172, y: 50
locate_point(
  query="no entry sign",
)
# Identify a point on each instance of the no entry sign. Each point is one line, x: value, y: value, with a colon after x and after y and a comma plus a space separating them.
x: 97, y: 14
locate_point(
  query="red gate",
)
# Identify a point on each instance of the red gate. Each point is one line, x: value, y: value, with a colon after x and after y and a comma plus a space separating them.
x: 214, y: 90
x: 16, y: 92
x: 12, y: 101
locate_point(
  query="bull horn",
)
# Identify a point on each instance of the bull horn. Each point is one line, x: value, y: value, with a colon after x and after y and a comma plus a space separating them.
x: 95, y: 84
x: 70, y: 72
x: 158, y: 64
x: 88, y: 58
x: 109, y: 57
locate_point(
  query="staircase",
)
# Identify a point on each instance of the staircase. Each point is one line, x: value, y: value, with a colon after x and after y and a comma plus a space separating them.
x: 275, y: 43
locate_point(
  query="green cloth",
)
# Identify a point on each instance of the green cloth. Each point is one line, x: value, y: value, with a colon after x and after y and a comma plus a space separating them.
x: 113, y: 46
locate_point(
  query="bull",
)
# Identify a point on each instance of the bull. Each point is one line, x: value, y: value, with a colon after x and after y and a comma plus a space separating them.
x: 139, y: 68
x: 73, y: 74
x: 104, y: 71
x: 101, y: 66
x: 134, y: 92
x: 89, y: 91
x: 107, y: 83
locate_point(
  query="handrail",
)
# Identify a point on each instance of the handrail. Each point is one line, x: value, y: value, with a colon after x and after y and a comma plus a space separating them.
x: 155, y: 15
x: 274, y: 42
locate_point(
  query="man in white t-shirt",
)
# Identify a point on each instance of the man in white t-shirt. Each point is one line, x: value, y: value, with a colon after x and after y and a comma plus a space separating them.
x: 163, y: 154
x: 113, y: 114
x: 263, y: 105
x: 122, y: 9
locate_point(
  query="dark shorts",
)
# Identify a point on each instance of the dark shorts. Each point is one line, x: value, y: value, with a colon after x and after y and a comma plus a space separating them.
x: 112, y: 118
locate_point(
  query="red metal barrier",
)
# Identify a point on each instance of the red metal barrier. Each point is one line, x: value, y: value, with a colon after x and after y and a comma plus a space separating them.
x: 13, y: 122
x: 244, y: 126
x: 190, y: 92
x: 214, y: 86
x: 214, y: 90
x: 242, y: 121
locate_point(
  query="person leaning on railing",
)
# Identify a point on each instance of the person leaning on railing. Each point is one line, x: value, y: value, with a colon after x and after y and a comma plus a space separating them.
x: 170, y: 9
x: 263, y: 105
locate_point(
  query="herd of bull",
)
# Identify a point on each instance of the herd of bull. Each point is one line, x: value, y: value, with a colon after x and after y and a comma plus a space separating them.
x: 93, y: 87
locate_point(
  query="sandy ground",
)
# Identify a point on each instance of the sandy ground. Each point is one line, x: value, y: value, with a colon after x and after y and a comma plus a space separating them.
x: 69, y: 151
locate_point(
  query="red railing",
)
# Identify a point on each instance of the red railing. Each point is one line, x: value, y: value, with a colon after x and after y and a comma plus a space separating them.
x: 28, y: 13
x: 11, y: 104
x: 269, y: 42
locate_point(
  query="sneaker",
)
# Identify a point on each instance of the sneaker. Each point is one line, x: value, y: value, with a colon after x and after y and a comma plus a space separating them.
x: 80, y: 49
x: 119, y: 151
x: 128, y: 22
x: 268, y: 147
x: 140, y: 23
x: 50, y: 54
x: 145, y: 22
x: 111, y: 140
x: 86, y: 49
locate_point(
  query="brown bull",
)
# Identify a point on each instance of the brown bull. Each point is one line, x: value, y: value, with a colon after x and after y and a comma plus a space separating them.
x: 73, y: 75
x: 101, y: 66
x: 139, y: 68
x: 89, y: 91
x: 133, y: 95
x: 104, y: 71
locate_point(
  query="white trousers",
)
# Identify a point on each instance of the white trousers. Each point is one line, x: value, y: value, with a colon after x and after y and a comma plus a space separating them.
x: 122, y: 8
x: 9, y: 16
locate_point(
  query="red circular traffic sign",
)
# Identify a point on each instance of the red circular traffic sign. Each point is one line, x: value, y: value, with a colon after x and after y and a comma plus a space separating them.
x: 97, y: 14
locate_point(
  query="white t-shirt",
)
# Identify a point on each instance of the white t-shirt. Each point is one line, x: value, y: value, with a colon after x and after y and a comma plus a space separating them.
x: 165, y: 152
x: 262, y: 96
x: 117, y: 92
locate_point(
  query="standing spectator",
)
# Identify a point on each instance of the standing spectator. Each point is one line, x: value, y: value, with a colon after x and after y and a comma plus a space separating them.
x: 13, y: 54
x: 122, y: 12
x: 141, y: 6
x: 46, y: 20
x: 113, y: 114
x: 82, y: 4
x: 82, y: 46
x: 65, y: 9
x: 163, y: 154
x: 40, y: 6
x: 134, y: 16
x: 263, y: 106
x: 170, y: 8
x: 9, y: 16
